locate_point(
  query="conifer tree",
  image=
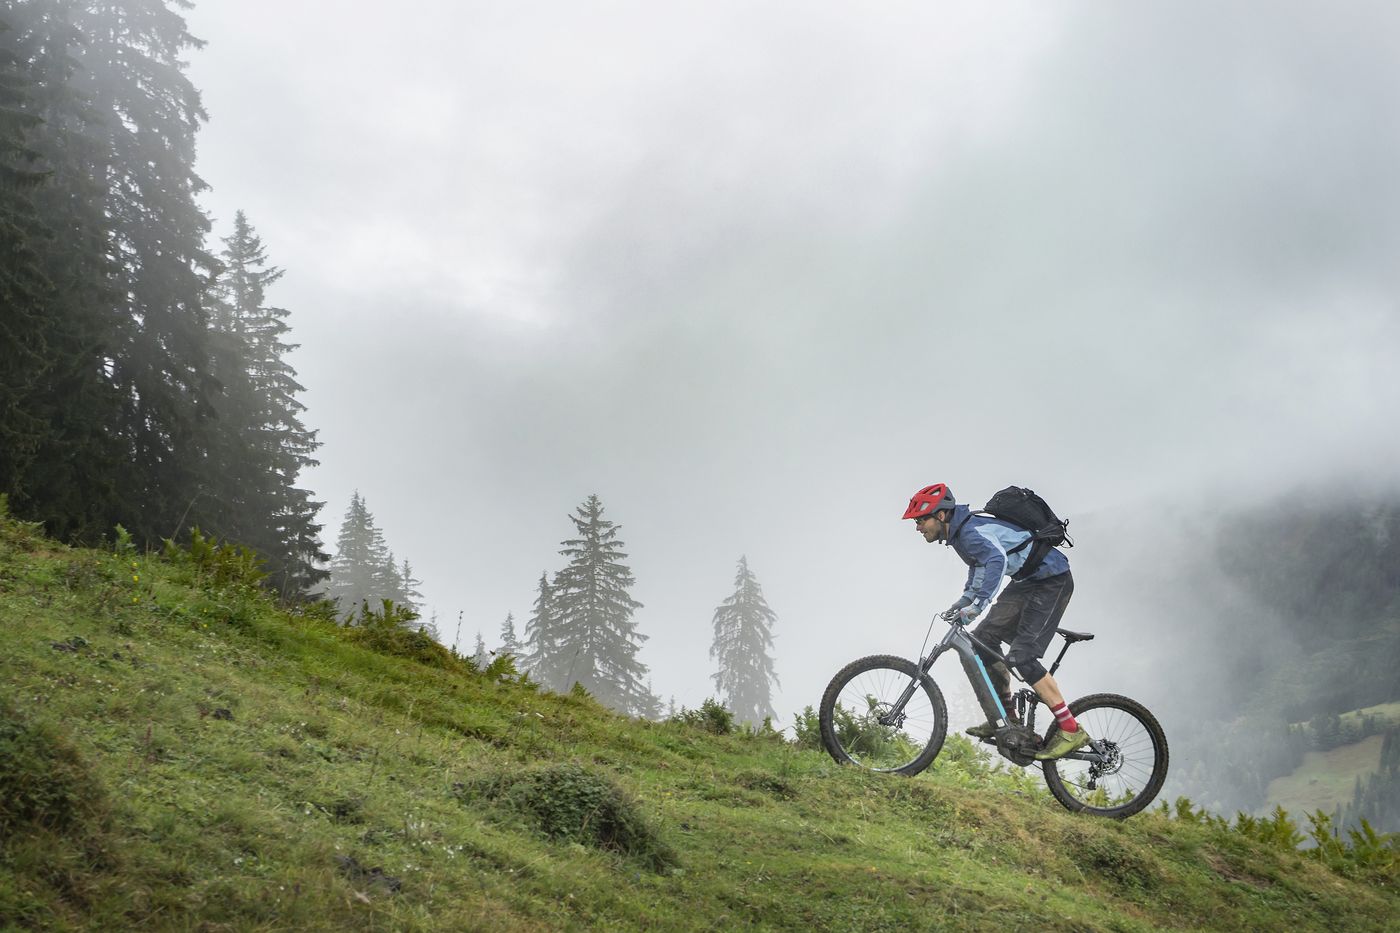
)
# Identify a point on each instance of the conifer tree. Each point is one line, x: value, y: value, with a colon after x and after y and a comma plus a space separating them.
x: 597, y: 640
x: 148, y: 113
x: 390, y: 581
x: 119, y: 402
x: 543, y: 658
x: 408, y: 588
x: 363, y: 568
x: 743, y: 627
x: 24, y: 289
x: 66, y: 476
x: 480, y: 656
x: 261, y: 445
x: 509, y: 643
x: 649, y: 705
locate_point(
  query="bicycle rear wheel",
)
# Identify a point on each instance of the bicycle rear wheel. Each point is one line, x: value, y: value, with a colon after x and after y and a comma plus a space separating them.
x: 860, y: 725
x: 1132, y: 770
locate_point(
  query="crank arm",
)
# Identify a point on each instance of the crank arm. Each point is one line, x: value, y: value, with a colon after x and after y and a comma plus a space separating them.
x: 1094, y: 758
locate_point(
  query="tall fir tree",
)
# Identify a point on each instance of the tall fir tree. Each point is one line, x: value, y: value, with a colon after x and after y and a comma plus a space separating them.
x: 409, y: 593
x: 597, y: 640
x: 510, y: 644
x: 261, y: 446
x: 363, y: 569
x: 391, y: 584
x: 743, y: 626
x: 480, y: 656
x: 69, y: 476
x: 543, y: 659
x: 149, y: 112
x: 25, y: 292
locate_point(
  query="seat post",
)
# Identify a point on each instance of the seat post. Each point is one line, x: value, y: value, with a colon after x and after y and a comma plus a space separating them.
x: 1059, y: 657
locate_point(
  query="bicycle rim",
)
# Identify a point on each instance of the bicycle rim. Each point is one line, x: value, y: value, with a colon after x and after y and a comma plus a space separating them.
x: 860, y: 725
x: 1134, y: 769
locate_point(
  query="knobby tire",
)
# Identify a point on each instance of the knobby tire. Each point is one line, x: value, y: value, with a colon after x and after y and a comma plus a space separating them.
x: 865, y: 689
x: 1141, y: 769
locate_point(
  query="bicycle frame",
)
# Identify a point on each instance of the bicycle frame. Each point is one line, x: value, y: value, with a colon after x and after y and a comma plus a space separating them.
x: 965, y: 644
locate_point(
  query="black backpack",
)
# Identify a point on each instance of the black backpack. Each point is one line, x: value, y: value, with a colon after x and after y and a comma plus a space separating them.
x: 1024, y: 509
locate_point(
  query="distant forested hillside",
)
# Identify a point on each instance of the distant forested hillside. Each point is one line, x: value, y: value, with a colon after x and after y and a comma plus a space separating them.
x: 1245, y: 617
x: 1327, y: 569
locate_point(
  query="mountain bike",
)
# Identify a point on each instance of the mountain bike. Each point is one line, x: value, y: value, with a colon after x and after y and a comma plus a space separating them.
x: 885, y: 713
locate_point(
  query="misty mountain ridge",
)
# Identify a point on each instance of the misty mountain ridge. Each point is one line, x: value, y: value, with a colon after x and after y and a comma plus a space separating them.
x: 1246, y: 613
x: 1244, y: 586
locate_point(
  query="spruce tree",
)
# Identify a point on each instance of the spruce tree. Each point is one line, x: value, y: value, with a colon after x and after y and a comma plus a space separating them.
x: 408, y: 588
x: 148, y: 113
x: 543, y: 659
x: 743, y: 626
x: 24, y: 289
x: 390, y: 581
x: 480, y: 656
x: 649, y: 705
x: 67, y: 476
x: 597, y: 640
x: 509, y: 643
x: 258, y: 445
x: 363, y: 569
x: 261, y: 445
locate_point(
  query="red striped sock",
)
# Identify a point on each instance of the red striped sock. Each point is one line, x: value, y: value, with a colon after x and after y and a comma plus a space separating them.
x: 1065, y: 718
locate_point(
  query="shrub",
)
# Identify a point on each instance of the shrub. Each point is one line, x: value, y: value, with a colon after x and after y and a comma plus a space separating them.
x: 1370, y: 854
x: 807, y: 730
x: 571, y: 803
x: 1277, y: 830
x: 391, y: 631
x: 224, y: 565
x: 711, y: 716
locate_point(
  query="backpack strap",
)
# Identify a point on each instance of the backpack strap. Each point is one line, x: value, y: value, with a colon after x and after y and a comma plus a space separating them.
x: 954, y: 533
x: 1033, y: 560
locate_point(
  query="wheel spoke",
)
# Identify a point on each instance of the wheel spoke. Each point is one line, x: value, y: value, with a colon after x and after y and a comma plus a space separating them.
x: 1132, y: 769
x: 864, y: 722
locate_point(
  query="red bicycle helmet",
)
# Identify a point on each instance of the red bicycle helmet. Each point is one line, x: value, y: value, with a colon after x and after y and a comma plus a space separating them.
x: 928, y: 500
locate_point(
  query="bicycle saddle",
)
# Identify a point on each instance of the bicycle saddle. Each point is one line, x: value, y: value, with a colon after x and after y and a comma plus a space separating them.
x: 1072, y: 637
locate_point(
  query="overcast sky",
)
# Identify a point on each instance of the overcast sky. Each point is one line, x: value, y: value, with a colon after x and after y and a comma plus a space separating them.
x: 754, y: 272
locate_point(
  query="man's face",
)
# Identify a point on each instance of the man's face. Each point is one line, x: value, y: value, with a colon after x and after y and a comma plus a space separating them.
x: 932, y: 527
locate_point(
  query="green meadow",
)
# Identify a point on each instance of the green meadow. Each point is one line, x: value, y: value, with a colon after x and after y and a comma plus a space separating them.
x: 179, y: 753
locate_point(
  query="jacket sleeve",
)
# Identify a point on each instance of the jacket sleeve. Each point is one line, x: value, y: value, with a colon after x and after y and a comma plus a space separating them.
x: 988, y: 559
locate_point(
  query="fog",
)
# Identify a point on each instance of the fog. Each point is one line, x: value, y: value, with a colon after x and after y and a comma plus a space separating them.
x: 754, y: 273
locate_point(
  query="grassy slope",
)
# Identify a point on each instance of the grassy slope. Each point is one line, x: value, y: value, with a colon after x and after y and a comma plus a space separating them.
x: 181, y: 819
x: 1388, y: 714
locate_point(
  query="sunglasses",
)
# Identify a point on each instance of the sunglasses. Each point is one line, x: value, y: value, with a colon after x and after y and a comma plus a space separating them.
x: 923, y: 518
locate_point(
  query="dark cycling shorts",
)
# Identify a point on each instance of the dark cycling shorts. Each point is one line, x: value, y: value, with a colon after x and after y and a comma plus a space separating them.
x: 1026, y: 615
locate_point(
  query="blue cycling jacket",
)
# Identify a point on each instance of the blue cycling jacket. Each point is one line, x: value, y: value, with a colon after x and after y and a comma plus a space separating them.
x: 983, y: 543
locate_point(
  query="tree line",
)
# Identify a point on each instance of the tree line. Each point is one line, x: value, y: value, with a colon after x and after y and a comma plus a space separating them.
x: 143, y: 374
x: 1376, y: 799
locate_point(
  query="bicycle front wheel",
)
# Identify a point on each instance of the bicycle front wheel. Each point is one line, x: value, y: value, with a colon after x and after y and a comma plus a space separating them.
x: 864, y: 722
x: 1132, y: 768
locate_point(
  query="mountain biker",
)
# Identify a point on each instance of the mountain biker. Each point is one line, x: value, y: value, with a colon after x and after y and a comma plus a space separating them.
x: 1026, y: 614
